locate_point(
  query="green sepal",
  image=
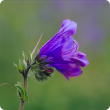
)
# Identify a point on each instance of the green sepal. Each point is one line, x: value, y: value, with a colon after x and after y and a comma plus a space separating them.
x: 36, y: 64
x: 42, y: 59
x: 33, y: 67
x: 23, y: 91
x: 44, y: 63
x: 37, y: 57
x: 29, y: 58
x: 20, y: 64
x: 17, y: 67
x: 25, y: 57
x: 24, y: 65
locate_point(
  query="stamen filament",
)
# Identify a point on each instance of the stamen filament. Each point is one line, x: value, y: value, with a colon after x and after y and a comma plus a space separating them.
x: 72, y: 49
x: 36, y: 44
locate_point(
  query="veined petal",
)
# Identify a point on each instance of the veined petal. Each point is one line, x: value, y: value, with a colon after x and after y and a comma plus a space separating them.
x: 66, y: 48
x: 51, y: 45
x: 68, y: 27
x: 80, y: 58
x: 67, y: 68
x: 70, y: 47
x: 76, y: 72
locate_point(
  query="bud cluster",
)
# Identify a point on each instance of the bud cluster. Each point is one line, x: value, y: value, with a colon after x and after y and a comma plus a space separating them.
x: 40, y: 69
x: 24, y: 63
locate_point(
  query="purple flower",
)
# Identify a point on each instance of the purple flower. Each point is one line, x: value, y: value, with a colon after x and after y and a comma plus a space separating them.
x: 61, y: 51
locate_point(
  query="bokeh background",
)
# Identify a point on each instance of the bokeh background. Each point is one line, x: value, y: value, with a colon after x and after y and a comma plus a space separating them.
x: 21, y: 24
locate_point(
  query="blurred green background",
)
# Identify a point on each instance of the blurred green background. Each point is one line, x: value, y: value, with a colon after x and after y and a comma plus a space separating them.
x: 21, y: 24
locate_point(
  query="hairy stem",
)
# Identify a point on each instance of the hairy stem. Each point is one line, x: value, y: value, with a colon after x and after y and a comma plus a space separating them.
x: 25, y: 81
x: 25, y: 86
x: 21, y: 104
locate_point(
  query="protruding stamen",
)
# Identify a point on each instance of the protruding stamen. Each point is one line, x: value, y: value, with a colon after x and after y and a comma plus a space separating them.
x: 36, y: 44
x: 72, y: 49
x: 77, y: 46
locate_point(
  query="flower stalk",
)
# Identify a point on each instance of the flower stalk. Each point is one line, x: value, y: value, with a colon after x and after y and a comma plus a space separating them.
x: 25, y: 86
x: 23, y: 69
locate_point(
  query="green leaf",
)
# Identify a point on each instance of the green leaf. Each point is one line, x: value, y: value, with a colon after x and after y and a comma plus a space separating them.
x: 23, y: 91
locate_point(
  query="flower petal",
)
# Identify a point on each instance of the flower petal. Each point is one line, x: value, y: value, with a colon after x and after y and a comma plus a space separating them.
x: 76, y: 72
x: 68, y: 28
x: 70, y: 47
x: 67, y: 68
x: 51, y: 45
x: 65, y: 51
x: 80, y: 58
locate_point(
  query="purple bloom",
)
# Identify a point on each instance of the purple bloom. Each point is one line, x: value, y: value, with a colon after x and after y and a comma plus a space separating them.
x: 61, y: 51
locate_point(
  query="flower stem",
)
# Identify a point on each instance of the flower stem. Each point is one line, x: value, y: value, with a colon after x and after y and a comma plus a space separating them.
x: 21, y: 104
x: 25, y: 86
